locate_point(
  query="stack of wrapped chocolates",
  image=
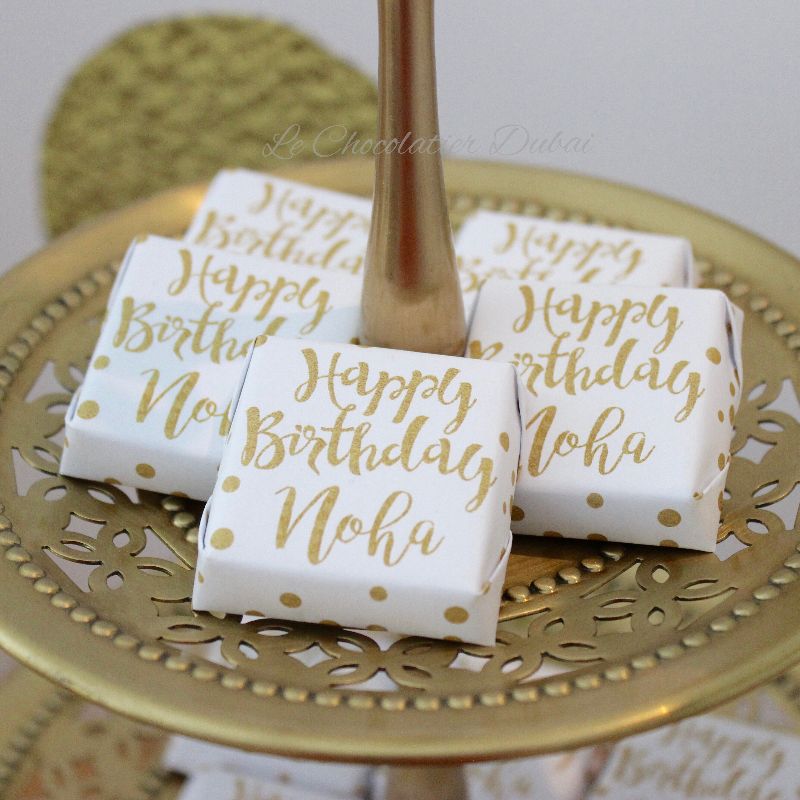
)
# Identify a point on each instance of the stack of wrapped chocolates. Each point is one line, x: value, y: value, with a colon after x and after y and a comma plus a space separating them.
x: 379, y: 489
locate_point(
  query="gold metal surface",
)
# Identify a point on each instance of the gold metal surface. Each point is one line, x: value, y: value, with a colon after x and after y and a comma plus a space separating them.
x: 411, y: 298
x: 175, y: 100
x: 424, y: 783
x: 641, y: 636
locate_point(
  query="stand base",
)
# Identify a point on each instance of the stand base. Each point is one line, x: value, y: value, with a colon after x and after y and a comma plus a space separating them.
x: 426, y: 783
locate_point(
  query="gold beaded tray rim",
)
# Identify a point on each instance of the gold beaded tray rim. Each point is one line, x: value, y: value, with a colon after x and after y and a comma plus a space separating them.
x: 168, y: 214
x: 32, y: 707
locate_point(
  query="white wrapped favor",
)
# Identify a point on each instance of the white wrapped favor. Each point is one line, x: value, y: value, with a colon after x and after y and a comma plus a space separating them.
x: 627, y: 397
x: 365, y: 487
x: 491, y: 244
x: 703, y: 757
x: 220, y: 785
x: 564, y: 776
x: 154, y: 408
x: 194, y: 758
x: 255, y: 214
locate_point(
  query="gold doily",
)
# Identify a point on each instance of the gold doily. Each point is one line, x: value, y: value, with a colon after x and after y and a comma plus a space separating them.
x: 176, y: 100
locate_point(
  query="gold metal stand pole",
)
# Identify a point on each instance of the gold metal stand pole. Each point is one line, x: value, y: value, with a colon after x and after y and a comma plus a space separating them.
x: 426, y: 783
x: 411, y: 298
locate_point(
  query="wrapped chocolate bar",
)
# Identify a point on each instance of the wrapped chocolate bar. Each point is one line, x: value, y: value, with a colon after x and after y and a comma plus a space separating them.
x: 367, y: 487
x: 153, y: 410
x: 704, y: 757
x: 627, y: 397
x: 255, y: 214
x: 228, y: 786
x: 564, y: 776
x: 513, y: 246
x: 193, y: 757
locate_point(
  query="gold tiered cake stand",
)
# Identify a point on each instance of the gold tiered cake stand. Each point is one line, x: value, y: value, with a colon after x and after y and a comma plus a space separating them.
x: 597, y: 640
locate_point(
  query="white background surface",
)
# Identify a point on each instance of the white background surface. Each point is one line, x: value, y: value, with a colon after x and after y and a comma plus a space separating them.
x: 697, y: 100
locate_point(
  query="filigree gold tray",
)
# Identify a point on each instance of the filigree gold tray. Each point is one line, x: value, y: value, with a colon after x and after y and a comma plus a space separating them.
x: 597, y: 640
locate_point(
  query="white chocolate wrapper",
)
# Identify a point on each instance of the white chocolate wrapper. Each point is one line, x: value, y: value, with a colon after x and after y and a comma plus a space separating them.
x: 229, y: 786
x: 563, y: 776
x: 193, y: 757
x: 491, y: 244
x: 262, y: 215
x: 367, y: 488
x: 256, y: 214
x: 703, y: 757
x: 627, y: 397
x: 154, y: 408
